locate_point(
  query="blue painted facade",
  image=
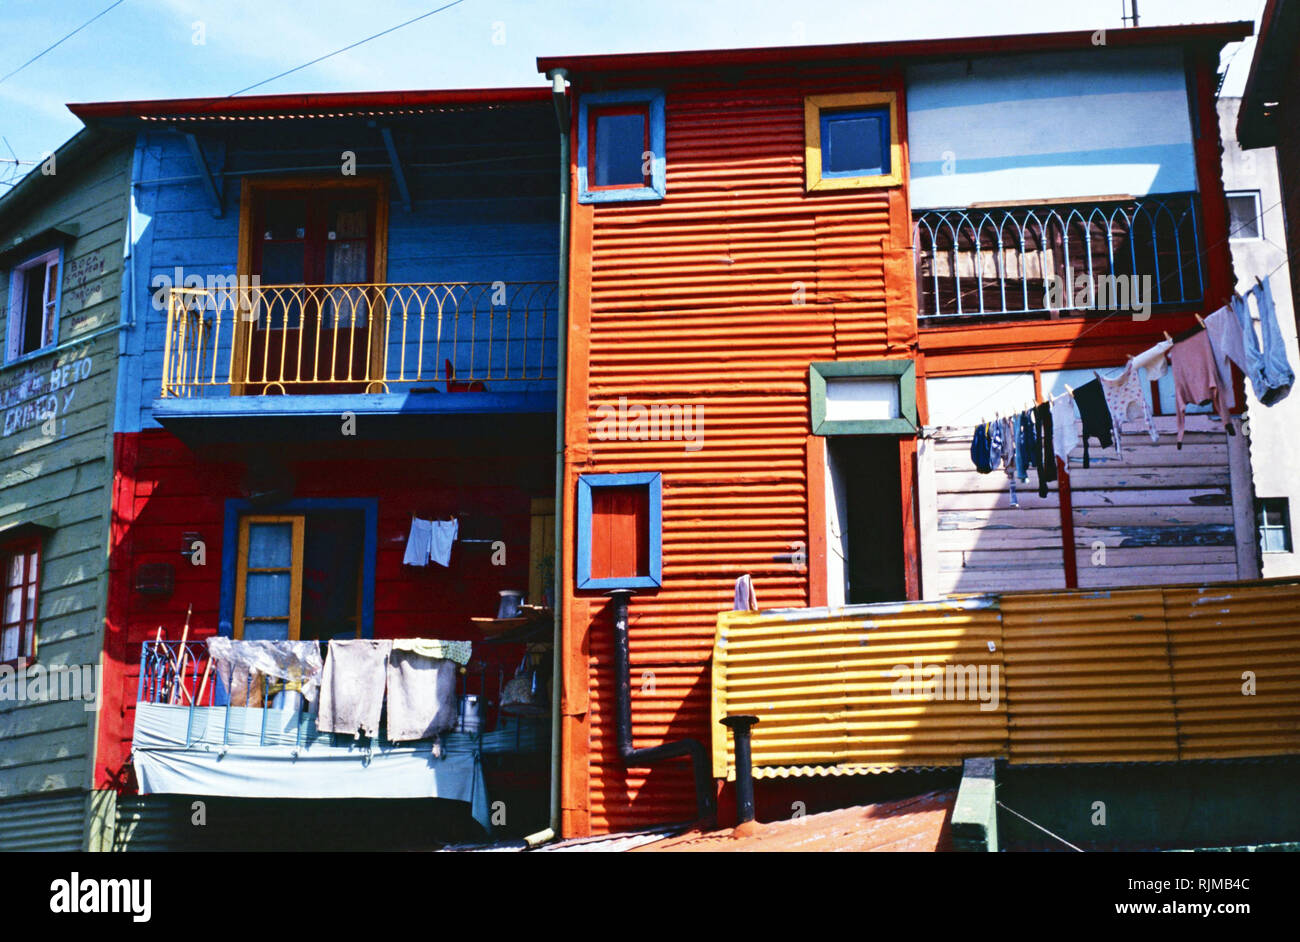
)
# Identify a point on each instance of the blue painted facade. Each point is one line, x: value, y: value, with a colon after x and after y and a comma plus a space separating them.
x: 483, y: 208
x: 1044, y: 126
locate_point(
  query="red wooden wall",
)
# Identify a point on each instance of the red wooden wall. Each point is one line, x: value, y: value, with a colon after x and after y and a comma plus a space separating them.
x: 162, y: 490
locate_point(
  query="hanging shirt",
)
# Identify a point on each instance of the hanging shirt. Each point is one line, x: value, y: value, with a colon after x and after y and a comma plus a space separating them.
x: 1196, y: 381
x: 981, y: 449
x: 1153, y: 360
x: 1026, y: 444
x: 1226, y: 342
x: 417, y: 543
x: 1064, y: 434
x: 442, y: 535
x: 1094, y: 412
x: 1126, y: 403
x: 1046, y: 458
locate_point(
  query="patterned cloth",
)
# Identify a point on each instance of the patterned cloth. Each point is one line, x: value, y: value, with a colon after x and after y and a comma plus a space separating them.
x: 1126, y: 402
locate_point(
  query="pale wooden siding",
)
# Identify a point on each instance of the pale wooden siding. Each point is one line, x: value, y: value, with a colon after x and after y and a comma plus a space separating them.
x: 65, y: 469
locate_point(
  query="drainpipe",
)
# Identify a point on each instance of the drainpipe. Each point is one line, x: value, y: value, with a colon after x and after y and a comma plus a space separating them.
x: 740, y: 725
x: 693, y: 749
x: 558, y: 97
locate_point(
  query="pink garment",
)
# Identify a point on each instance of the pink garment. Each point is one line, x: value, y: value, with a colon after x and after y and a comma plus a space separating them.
x: 1226, y: 342
x: 1195, y: 378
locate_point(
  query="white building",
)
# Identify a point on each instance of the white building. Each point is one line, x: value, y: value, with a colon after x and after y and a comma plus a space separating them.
x: 1258, y: 249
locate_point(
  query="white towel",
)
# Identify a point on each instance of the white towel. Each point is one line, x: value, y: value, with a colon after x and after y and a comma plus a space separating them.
x: 442, y: 536
x: 418, y: 543
x: 421, y: 697
x: 746, y: 601
x: 352, y: 689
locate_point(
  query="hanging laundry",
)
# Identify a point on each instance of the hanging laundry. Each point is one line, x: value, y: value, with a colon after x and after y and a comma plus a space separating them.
x: 1196, y: 381
x: 981, y: 448
x: 1065, y: 436
x: 418, y: 543
x: 746, y: 600
x: 1126, y: 402
x: 443, y: 535
x: 1226, y: 342
x: 1278, y: 375
x: 1008, y: 454
x: 421, y: 696
x: 1026, y: 445
x: 352, y: 688
x: 458, y: 651
x: 1154, y: 360
x: 1046, y: 458
x: 1095, y: 413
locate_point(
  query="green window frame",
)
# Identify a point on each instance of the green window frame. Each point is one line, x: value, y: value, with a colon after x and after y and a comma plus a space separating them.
x: 903, y: 370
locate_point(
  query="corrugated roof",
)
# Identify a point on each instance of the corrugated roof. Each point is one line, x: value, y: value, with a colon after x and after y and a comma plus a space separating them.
x: 314, y: 105
x: 921, y: 823
x: 1215, y: 33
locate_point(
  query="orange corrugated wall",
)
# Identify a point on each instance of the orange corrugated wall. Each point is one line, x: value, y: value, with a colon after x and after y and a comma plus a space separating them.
x: 690, y: 301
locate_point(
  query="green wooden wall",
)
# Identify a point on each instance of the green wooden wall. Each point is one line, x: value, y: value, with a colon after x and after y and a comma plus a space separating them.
x: 60, y: 472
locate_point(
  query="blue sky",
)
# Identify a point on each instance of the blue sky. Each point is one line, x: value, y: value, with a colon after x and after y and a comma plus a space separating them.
x: 148, y: 48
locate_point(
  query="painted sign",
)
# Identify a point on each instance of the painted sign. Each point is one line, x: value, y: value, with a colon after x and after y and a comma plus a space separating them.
x: 34, y: 396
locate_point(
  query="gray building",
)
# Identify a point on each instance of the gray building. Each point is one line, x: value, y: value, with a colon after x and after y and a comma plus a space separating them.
x: 62, y: 230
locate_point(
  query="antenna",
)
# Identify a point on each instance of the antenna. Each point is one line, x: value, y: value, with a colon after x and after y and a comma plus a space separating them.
x: 1133, y: 20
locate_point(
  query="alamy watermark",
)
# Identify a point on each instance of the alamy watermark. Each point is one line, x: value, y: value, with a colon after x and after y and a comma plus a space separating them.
x: 948, y: 682
x: 38, y: 683
x: 1100, y: 293
x: 660, y: 422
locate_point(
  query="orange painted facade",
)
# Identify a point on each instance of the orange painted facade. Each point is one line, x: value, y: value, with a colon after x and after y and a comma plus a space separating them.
x: 718, y: 297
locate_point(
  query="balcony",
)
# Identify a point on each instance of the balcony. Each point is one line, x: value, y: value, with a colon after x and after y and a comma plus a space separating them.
x: 1032, y: 261
x: 385, y: 348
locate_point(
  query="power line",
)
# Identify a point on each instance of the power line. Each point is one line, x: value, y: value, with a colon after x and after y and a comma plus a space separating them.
x: 336, y: 52
x: 106, y: 9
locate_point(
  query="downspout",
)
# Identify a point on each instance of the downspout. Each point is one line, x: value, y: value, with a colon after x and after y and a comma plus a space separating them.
x: 705, y: 804
x: 558, y: 97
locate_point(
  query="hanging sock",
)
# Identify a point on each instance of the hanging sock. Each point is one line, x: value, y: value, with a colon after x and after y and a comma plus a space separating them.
x: 1097, y: 421
x: 1196, y: 381
x: 1124, y: 398
x: 1278, y: 375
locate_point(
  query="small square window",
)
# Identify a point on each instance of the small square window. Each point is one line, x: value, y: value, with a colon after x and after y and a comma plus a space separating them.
x: 1273, y: 518
x: 1244, y: 216
x: 619, y: 531
x: 620, y: 143
x: 621, y: 146
x: 855, y: 142
x: 33, y: 305
x: 851, y: 140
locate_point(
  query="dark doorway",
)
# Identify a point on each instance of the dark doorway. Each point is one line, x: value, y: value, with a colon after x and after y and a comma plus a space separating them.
x: 867, y: 493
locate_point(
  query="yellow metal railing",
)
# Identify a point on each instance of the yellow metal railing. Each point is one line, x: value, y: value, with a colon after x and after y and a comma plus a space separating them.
x: 278, y: 339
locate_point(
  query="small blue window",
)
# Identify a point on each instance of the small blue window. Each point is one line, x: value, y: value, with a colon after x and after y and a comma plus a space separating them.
x: 621, y: 146
x: 855, y: 142
x: 620, y: 140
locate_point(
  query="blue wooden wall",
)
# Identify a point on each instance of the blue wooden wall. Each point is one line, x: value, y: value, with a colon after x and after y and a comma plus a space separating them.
x: 484, y: 209
x: 1095, y: 122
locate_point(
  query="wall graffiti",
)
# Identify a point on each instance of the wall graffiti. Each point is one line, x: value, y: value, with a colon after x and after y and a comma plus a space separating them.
x: 35, y: 396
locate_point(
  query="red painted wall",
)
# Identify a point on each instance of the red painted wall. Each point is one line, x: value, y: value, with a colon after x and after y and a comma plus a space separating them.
x: 162, y: 490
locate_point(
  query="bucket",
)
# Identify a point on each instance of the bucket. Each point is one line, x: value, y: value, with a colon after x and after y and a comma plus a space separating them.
x: 286, y: 696
x: 510, y: 602
x: 470, y: 721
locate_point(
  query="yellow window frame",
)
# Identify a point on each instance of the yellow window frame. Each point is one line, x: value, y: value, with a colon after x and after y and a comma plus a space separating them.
x: 813, y: 106
x: 298, y: 522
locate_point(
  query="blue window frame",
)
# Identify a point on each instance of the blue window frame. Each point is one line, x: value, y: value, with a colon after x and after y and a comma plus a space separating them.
x: 237, y: 509
x: 652, y: 482
x: 621, y: 137
x: 855, y: 142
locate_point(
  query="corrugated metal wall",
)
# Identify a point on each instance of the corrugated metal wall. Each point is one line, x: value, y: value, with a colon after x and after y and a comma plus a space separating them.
x: 43, y: 822
x: 824, y: 684
x: 1131, y: 675
x: 717, y: 298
